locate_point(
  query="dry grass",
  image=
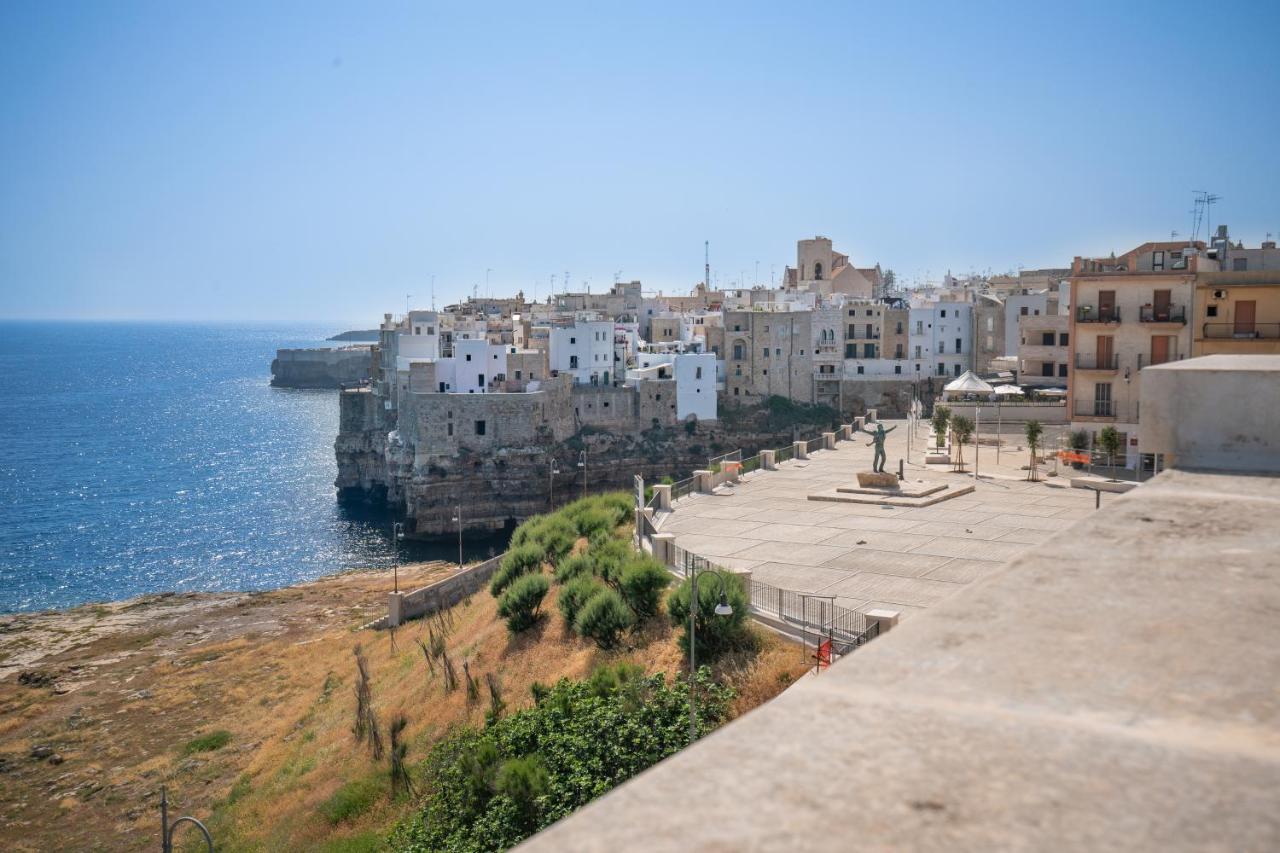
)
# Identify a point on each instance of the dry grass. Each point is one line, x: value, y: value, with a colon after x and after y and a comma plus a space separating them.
x: 279, y: 677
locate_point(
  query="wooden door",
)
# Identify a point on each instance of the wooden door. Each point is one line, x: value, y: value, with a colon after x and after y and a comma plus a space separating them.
x: 1246, y: 312
x: 1159, y: 349
x: 1162, y: 300
x: 1106, y: 304
x: 1104, y: 352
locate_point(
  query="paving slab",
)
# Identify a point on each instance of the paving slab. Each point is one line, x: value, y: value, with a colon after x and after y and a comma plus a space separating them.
x: 908, y: 565
x: 878, y: 540
x: 918, y: 592
x: 961, y: 570
x: 813, y: 555
x: 799, y: 533
x: 975, y: 549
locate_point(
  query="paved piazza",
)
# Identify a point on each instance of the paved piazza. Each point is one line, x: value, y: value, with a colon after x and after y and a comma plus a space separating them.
x: 870, y: 555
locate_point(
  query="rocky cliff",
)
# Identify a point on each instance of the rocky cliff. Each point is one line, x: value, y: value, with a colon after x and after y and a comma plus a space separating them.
x: 501, y: 484
x: 320, y: 368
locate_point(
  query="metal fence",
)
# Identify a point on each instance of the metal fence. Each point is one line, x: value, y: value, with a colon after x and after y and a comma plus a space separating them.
x: 812, y: 614
x: 682, y: 488
x: 751, y: 464
x: 783, y: 454
x: 814, y: 444
x: 714, y: 464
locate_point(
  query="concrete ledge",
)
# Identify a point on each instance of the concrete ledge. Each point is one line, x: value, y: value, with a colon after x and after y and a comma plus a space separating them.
x: 888, y: 498
x: 1102, y: 484
x: 906, y: 489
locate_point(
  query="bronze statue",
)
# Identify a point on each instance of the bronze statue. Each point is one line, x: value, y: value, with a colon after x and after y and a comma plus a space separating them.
x: 877, y: 438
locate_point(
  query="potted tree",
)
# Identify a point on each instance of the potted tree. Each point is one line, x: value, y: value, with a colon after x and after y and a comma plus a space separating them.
x: 941, y: 417
x: 962, y: 429
x: 1033, y: 431
x: 1079, y: 443
x: 1109, y: 443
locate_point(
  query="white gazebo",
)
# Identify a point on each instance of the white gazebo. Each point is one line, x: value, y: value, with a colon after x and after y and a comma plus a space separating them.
x: 966, y: 383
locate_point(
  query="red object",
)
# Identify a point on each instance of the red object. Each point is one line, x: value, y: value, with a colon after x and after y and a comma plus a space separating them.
x: 824, y: 654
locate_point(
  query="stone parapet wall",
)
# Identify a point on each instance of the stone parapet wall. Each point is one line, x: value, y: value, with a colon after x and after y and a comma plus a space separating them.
x: 320, y: 368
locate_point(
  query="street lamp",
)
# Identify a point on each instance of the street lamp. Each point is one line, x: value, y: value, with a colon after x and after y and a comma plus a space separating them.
x: 167, y: 829
x: 552, y: 471
x: 722, y: 608
x: 457, y: 519
x: 582, y: 463
x: 397, y: 536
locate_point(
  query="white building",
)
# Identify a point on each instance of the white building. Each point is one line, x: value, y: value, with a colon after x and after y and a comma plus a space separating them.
x: 695, y: 375
x: 584, y: 350
x: 940, y: 337
x: 1021, y: 304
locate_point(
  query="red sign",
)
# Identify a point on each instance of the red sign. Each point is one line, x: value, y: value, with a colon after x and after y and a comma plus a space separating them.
x: 824, y: 654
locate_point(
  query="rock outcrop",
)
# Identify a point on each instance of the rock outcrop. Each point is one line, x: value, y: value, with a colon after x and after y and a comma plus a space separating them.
x: 320, y: 368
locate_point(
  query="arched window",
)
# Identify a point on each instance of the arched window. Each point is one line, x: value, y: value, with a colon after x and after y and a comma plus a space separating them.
x: 817, y: 271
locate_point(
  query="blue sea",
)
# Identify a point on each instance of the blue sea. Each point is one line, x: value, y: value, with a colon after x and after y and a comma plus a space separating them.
x: 147, y: 457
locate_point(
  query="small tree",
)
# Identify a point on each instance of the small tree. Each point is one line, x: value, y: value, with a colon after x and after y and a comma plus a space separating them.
x: 574, y: 594
x: 1033, y: 431
x: 521, y: 603
x: 962, y: 427
x: 604, y: 617
x: 519, y: 561
x: 642, y: 582
x: 1079, y: 443
x: 941, y: 418
x: 1109, y: 443
x: 574, y: 566
x: 715, y: 633
x: 401, y: 781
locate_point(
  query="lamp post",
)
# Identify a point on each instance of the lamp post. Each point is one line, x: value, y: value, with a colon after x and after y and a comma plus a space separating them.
x: 552, y: 470
x: 397, y: 535
x: 457, y: 519
x: 582, y: 463
x: 167, y: 829
x: 722, y: 609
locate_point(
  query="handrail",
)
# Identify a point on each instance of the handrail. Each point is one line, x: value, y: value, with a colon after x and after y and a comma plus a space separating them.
x: 1242, y: 331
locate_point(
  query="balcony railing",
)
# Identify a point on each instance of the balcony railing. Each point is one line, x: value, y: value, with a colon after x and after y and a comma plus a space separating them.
x: 1145, y: 360
x: 1242, y: 331
x: 1089, y: 314
x: 1095, y: 408
x: 1088, y: 361
x: 1170, y: 314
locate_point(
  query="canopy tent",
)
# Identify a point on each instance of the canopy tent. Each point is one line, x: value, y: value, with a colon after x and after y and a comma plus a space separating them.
x: 1052, y: 392
x: 967, y: 383
x: 1007, y: 390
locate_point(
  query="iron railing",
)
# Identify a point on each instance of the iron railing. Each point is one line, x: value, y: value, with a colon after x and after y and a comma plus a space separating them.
x: 1089, y: 314
x: 751, y: 464
x: 1091, y: 361
x: 1168, y: 314
x: 682, y: 488
x: 783, y: 454
x: 714, y: 463
x: 813, y: 444
x: 1095, y: 408
x: 1242, y: 331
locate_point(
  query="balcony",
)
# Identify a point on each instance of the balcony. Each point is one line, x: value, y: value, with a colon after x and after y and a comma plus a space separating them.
x: 1095, y: 409
x: 1089, y: 314
x: 1088, y: 361
x: 1170, y: 314
x: 1242, y: 331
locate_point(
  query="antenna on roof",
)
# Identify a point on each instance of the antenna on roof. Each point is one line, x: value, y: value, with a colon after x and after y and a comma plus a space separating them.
x: 433, y: 293
x: 706, y: 256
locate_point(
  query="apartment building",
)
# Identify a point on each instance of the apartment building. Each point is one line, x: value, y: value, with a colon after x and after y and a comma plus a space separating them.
x: 1237, y: 312
x: 1044, y: 350
x: 940, y: 337
x: 769, y: 352
x: 1129, y: 312
x: 585, y: 351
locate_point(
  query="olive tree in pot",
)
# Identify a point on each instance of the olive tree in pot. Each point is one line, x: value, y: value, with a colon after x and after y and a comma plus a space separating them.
x: 941, y: 418
x: 962, y: 429
x: 1033, y: 431
x: 1109, y: 443
x: 1079, y: 443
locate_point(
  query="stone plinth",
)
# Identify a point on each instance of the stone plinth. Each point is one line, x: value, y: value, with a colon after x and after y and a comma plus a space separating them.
x: 872, y: 480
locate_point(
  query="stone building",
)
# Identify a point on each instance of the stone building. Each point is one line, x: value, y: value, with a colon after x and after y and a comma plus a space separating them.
x: 1237, y: 312
x: 768, y: 352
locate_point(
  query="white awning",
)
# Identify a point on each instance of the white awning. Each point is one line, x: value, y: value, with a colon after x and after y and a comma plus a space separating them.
x: 968, y: 383
x: 1004, y: 390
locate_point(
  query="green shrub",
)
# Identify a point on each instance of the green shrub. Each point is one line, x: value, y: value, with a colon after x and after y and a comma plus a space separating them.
x: 641, y: 583
x: 573, y: 567
x: 556, y: 536
x: 574, y: 594
x: 518, y: 561
x: 475, y: 795
x: 207, y: 742
x: 593, y: 521
x: 521, y: 603
x: 715, y: 633
x: 603, y: 618
x: 527, y: 532
x: 351, y: 800
x: 608, y: 559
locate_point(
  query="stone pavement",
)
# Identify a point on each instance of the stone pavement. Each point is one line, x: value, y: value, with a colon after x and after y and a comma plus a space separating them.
x: 875, y: 556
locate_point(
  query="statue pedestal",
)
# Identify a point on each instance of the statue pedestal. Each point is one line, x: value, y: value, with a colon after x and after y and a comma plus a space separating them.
x: 872, y: 480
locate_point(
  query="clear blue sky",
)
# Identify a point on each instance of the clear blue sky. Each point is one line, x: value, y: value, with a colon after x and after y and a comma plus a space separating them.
x: 313, y: 161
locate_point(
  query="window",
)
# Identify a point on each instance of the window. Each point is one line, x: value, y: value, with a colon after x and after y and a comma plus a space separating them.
x: 735, y: 390
x: 450, y: 430
x: 417, y: 330
x: 1046, y: 369
x: 868, y: 350
x: 1062, y: 370
x: 958, y: 347
x: 944, y: 312
x: 942, y: 369
x: 991, y: 324
x: 897, y: 351
x: 573, y: 340
x: 917, y: 350
x: 1024, y: 310
x: 442, y: 391
x: 765, y: 371
x: 897, y: 368
x: 899, y: 327
x: 1157, y: 260
x: 957, y: 367
x: 737, y: 352
x: 1062, y: 339
x: 777, y: 351
x: 480, y: 427
x: 1211, y: 310
x: 860, y: 370
x: 517, y: 375
x: 817, y: 272
x: 869, y: 312
x: 853, y: 331
x: 468, y: 356
x: 573, y: 362
x: 1239, y: 264
x: 850, y: 350
x: 942, y: 347
x: 1046, y: 339
x: 766, y: 352
x: 480, y: 380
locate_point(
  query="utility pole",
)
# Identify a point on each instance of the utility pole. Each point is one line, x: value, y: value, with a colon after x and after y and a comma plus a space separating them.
x: 458, y: 518
x: 582, y: 463
x: 706, y: 254
x: 552, y: 470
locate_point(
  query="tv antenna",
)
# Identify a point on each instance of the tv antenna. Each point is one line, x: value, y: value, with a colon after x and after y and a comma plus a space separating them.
x: 433, y: 293
x: 407, y: 297
x: 706, y: 259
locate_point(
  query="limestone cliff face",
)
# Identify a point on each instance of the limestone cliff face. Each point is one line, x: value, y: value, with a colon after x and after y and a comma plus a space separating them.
x: 320, y: 368
x: 500, y: 480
